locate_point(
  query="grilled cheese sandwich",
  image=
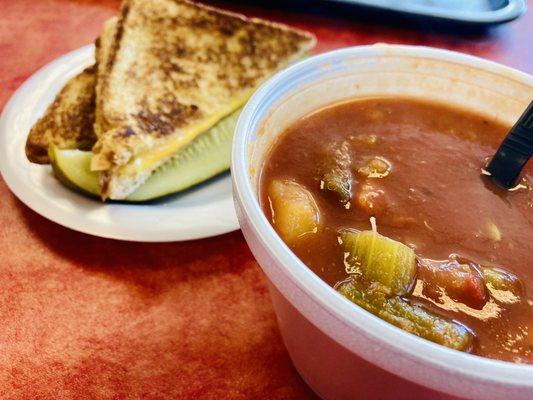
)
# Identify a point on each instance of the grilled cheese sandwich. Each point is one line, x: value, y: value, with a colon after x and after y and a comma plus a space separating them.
x: 174, y: 69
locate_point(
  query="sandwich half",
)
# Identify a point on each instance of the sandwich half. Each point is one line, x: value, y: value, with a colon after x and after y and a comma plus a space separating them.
x: 68, y: 121
x: 173, y: 70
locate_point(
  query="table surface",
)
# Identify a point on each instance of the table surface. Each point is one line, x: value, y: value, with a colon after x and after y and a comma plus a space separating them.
x: 110, y: 319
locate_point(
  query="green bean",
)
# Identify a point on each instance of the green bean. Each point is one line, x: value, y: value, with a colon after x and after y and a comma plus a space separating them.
x: 410, y: 318
x: 337, y: 176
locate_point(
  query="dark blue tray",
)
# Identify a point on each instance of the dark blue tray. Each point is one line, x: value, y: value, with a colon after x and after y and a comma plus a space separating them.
x: 478, y: 12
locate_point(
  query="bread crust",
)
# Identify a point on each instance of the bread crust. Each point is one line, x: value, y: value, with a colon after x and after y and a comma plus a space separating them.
x: 104, y: 48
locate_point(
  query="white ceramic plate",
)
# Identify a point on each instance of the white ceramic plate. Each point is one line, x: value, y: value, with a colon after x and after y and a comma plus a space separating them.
x: 197, y: 213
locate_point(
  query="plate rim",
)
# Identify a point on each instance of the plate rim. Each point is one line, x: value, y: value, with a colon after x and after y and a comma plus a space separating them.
x: 77, y: 60
x: 512, y: 10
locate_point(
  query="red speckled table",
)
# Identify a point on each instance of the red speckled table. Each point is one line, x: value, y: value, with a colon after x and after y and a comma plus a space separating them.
x: 84, y: 317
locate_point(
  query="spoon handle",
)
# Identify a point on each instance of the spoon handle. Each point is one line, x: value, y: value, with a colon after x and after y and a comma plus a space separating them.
x: 514, y: 152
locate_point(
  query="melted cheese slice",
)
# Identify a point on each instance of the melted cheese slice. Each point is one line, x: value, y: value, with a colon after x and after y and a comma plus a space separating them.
x: 158, y: 155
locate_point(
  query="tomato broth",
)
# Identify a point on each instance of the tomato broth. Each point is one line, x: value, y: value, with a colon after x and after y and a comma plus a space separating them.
x: 416, y: 168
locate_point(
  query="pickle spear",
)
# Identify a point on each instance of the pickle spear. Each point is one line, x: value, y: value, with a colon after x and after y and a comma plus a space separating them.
x: 376, y: 258
x: 410, y: 318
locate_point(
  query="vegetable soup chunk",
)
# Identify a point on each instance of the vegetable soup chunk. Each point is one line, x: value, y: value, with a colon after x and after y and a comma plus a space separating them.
x: 337, y: 176
x: 376, y: 258
x: 294, y: 210
x: 411, y: 318
x: 452, y: 261
x: 462, y: 282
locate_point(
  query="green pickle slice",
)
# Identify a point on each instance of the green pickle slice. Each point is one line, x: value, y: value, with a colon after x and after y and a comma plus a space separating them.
x: 376, y: 258
x: 410, y: 318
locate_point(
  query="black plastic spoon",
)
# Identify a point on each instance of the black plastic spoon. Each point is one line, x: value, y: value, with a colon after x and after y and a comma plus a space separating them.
x: 514, y: 152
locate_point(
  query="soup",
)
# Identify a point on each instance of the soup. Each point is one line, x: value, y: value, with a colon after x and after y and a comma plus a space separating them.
x: 385, y: 199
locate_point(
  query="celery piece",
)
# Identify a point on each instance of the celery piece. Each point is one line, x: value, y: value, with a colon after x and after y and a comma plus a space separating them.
x: 294, y: 210
x: 499, y: 279
x: 377, y: 258
x: 411, y: 318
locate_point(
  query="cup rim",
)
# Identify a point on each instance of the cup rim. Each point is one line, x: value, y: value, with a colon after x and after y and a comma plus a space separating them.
x: 421, y: 350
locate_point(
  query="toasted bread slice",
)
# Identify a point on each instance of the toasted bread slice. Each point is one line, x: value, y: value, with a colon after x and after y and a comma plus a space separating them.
x: 174, y: 70
x: 68, y: 121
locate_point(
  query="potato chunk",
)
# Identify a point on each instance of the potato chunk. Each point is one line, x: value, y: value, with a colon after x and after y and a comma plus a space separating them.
x: 294, y: 210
